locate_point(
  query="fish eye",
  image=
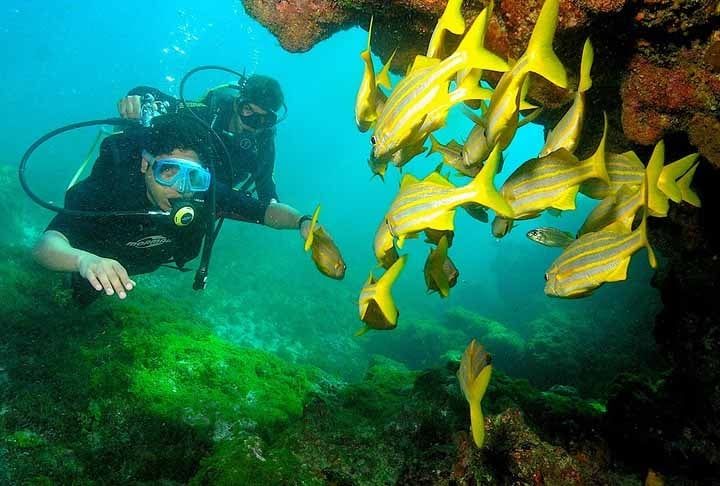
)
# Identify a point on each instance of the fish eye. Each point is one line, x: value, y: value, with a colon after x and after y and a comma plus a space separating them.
x: 373, y: 140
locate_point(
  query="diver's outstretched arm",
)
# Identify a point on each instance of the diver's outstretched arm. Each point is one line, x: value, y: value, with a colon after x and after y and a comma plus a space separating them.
x: 55, y: 252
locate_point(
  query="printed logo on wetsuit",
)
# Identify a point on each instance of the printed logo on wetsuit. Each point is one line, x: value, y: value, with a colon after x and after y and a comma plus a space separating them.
x: 149, y: 241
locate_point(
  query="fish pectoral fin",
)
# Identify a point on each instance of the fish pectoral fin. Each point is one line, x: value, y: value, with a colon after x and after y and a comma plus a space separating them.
x: 566, y: 202
x: 444, y: 222
x: 619, y: 273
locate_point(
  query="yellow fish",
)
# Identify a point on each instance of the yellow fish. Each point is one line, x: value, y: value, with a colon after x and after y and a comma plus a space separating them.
x: 599, y: 257
x: 539, y: 57
x: 431, y: 202
x: 325, y: 253
x: 552, y: 181
x: 370, y: 98
x: 474, y: 376
x: 617, y: 211
x: 566, y: 133
x: 419, y: 103
x: 627, y: 169
x: 440, y: 272
x: 595, y: 258
x: 376, y: 305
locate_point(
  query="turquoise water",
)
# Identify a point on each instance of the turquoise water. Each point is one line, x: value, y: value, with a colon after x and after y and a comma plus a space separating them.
x: 72, y: 61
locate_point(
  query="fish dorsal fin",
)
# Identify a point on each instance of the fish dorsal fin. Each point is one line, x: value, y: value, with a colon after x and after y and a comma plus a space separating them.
x: 408, y: 179
x: 455, y: 145
x: 422, y: 62
x: 436, y: 177
x: 311, y: 231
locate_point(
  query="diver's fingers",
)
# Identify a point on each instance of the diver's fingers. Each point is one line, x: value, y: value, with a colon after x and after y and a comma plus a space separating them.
x: 129, y: 107
x: 93, y: 280
x: 104, y: 279
x: 126, y: 283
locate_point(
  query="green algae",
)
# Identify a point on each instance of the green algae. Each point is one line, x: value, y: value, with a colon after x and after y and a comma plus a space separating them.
x: 138, y: 390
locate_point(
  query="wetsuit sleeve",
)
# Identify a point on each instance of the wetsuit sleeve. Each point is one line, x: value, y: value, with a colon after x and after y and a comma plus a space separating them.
x: 264, y: 180
x: 239, y: 205
x: 157, y: 94
x: 82, y: 196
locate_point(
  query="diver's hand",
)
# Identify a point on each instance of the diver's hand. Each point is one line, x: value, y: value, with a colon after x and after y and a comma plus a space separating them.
x: 305, y: 228
x: 105, y: 273
x: 129, y: 106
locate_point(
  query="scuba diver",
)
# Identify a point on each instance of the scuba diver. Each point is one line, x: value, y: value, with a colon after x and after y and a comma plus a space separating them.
x: 142, y: 172
x: 244, y: 114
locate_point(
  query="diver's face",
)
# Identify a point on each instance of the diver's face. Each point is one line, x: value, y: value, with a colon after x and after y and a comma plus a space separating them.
x: 251, y: 117
x: 161, y: 195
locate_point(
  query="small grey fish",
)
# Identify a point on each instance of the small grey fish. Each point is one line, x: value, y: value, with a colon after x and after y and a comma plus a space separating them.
x: 551, y: 237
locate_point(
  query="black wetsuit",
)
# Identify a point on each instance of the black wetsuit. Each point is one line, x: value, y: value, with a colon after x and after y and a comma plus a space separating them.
x: 141, y: 243
x: 252, y: 154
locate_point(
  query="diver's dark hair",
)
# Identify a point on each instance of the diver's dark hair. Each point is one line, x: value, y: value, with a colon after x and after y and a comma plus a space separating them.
x: 178, y: 131
x: 263, y: 91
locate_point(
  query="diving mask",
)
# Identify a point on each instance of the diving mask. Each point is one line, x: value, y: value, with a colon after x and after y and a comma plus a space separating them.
x: 254, y: 119
x: 181, y: 174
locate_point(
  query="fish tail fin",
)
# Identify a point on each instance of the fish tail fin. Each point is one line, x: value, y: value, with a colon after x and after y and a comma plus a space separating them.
x: 311, y: 231
x: 391, y: 274
x: 687, y: 194
x: 452, y: 19
x: 477, y: 420
x: 585, y: 67
x: 657, y: 201
x: 473, y: 44
x: 474, y: 376
x: 383, y: 297
x: 383, y: 77
x: 597, y: 159
x: 671, y: 173
x: 542, y: 58
x: 483, y: 185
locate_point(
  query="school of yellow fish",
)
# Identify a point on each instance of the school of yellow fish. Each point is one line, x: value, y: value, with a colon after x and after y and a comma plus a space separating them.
x: 403, y: 118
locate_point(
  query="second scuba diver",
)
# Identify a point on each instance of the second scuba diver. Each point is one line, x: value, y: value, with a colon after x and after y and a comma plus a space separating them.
x: 145, y: 169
